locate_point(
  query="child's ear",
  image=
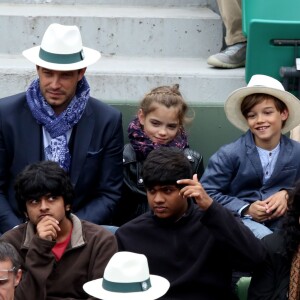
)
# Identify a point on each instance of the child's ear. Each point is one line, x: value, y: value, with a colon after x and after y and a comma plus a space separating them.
x: 141, y: 116
x: 284, y: 115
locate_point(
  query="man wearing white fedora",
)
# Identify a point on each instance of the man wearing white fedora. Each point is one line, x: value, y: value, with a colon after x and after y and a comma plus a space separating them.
x: 126, y: 277
x: 57, y: 119
x: 251, y: 176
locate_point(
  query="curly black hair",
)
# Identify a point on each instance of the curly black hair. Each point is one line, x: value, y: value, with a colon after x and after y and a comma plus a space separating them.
x: 41, y: 178
x: 292, y: 222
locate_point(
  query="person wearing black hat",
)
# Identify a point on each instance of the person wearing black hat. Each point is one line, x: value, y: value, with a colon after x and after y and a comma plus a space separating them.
x: 57, y: 119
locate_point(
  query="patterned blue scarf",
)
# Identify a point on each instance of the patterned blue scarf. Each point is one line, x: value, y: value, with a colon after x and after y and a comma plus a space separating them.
x: 58, y: 126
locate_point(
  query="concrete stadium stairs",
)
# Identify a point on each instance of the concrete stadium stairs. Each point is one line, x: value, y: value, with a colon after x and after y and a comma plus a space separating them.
x: 144, y: 43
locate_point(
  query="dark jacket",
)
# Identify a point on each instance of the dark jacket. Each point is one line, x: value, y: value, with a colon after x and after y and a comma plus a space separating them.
x: 96, y: 158
x: 134, y: 199
x: 85, y: 259
x: 234, y: 175
x: 270, y: 281
x: 197, y: 253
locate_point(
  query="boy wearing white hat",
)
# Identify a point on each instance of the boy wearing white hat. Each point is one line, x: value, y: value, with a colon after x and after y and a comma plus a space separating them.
x: 57, y: 119
x: 251, y: 176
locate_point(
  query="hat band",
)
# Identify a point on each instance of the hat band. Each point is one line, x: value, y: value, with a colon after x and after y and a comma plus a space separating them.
x: 61, y: 58
x: 130, y: 287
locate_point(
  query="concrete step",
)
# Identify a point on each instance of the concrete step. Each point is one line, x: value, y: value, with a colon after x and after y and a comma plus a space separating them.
x: 126, y: 79
x: 159, y: 3
x: 117, y: 30
x: 142, y: 46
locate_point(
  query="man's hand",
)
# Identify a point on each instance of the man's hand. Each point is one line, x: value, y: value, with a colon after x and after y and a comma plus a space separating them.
x: 47, y: 228
x: 194, y: 189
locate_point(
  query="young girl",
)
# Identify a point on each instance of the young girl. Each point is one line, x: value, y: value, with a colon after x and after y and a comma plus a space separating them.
x: 159, y: 123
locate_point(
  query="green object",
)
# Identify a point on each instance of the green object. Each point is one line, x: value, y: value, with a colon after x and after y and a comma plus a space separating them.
x: 242, y: 288
x: 263, y: 55
x: 287, y: 10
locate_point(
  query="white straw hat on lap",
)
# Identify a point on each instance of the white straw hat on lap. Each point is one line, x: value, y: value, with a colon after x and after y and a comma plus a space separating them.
x: 61, y: 49
x: 126, y: 277
x: 262, y: 84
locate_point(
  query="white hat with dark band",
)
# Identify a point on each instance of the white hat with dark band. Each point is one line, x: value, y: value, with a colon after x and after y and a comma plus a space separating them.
x: 126, y: 277
x: 262, y: 84
x: 61, y: 49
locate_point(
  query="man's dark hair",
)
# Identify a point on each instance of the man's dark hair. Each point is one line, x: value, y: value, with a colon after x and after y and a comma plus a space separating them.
x: 164, y: 166
x: 9, y: 252
x: 40, y: 179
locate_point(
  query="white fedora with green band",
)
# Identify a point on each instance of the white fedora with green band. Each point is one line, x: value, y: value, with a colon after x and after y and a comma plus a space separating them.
x: 262, y: 84
x: 61, y: 49
x: 126, y: 277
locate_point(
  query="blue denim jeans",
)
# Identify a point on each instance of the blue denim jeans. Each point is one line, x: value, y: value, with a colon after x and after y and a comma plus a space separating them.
x: 262, y: 229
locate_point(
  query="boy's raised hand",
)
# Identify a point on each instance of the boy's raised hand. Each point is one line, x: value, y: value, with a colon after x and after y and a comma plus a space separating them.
x: 47, y: 228
x: 194, y: 189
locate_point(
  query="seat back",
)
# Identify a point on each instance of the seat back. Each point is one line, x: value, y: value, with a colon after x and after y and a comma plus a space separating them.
x: 264, y: 55
x: 287, y: 10
x: 242, y: 288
